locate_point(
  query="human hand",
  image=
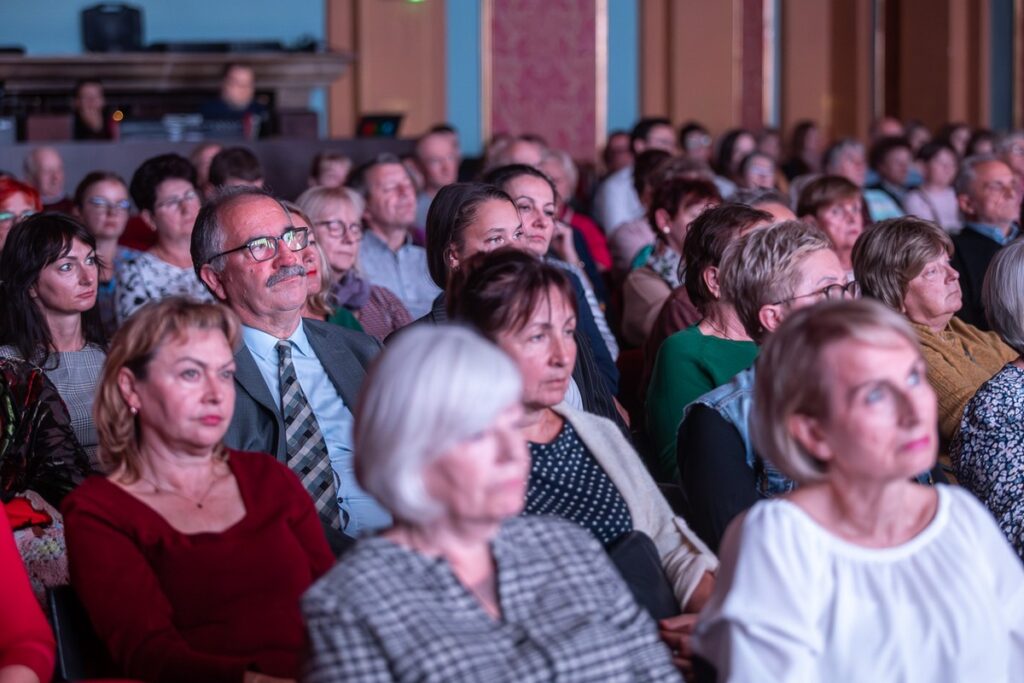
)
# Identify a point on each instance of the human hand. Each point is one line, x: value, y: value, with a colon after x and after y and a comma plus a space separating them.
x: 17, y: 673
x: 676, y: 633
x: 562, y: 244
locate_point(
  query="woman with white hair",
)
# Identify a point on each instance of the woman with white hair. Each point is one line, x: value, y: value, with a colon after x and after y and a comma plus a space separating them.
x: 460, y: 588
x: 849, y: 576
x: 988, y: 451
x: 335, y: 213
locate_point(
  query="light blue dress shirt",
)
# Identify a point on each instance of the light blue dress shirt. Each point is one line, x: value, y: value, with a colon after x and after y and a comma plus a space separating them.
x: 404, y: 272
x: 994, y: 232
x: 359, y: 512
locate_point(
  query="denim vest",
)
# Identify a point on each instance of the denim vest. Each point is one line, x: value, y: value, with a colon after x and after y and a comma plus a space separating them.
x: 733, y: 401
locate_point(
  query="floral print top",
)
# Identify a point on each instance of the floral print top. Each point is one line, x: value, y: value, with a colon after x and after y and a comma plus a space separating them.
x: 988, y: 452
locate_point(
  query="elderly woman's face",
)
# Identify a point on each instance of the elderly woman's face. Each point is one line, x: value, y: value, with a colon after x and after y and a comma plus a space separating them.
x: 933, y: 296
x: 545, y: 351
x: 338, y: 229
x: 536, y: 205
x: 187, y: 398
x: 483, y: 479
x: 843, y: 222
x: 882, y: 424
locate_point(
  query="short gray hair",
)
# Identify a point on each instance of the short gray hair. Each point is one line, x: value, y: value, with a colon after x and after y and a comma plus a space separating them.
x: 793, y: 379
x: 1003, y: 295
x: 969, y: 171
x: 760, y: 268
x: 208, y: 234
x: 1007, y: 140
x: 568, y: 165
x: 425, y: 394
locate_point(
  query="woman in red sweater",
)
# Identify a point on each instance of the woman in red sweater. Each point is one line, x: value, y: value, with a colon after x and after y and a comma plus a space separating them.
x: 26, y: 643
x: 189, y: 557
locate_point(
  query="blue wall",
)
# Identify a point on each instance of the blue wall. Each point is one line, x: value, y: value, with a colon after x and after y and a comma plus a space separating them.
x: 623, y: 64
x: 462, y: 73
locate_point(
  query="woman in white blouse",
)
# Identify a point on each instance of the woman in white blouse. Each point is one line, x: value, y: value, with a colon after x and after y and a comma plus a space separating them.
x: 860, y: 574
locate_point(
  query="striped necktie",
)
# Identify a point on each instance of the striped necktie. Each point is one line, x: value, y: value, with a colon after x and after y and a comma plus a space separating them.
x: 307, y: 450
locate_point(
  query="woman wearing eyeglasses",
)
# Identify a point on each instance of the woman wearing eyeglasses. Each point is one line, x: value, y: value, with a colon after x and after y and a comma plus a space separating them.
x: 165, y: 194
x: 335, y: 212
x: 17, y: 201
x: 835, y: 206
x: 102, y: 204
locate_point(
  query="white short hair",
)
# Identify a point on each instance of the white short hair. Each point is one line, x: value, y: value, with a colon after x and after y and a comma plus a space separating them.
x: 432, y: 388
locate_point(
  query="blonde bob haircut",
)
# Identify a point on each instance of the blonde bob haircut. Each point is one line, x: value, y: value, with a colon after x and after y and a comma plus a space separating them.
x: 761, y: 268
x: 891, y: 253
x: 431, y: 389
x: 133, y: 347
x: 792, y: 378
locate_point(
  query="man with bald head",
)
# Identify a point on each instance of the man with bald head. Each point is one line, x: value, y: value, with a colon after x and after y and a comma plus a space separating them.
x: 297, y: 380
x: 44, y: 170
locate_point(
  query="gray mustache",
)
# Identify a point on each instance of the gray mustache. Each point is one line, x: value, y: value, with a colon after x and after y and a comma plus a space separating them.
x: 285, y: 273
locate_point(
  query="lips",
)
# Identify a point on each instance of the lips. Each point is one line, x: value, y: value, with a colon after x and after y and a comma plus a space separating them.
x: 91, y: 294
x: 916, y: 444
x: 211, y: 420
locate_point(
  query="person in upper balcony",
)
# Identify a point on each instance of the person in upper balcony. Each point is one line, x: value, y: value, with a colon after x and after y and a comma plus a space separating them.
x: 88, y: 104
x: 237, y: 101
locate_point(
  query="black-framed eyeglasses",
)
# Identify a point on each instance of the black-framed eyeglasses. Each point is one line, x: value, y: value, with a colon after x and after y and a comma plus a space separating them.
x: 105, y: 204
x: 265, y: 248
x: 337, y: 228
x: 836, y: 292
x: 11, y: 216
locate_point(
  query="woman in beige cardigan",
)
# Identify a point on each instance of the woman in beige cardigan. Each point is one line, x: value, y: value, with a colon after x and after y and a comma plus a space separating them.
x: 904, y: 262
x: 582, y: 467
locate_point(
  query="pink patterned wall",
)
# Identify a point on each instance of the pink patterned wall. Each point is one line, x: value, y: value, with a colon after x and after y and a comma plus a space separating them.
x: 543, y: 71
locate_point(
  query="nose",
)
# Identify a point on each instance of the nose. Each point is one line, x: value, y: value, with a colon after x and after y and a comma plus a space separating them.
x: 952, y: 274
x: 214, y: 388
x: 907, y: 410
x: 559, y: 350
x: 286, y: 257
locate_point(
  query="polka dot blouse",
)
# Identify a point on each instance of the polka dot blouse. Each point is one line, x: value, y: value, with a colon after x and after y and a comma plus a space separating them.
x: 566, y: 481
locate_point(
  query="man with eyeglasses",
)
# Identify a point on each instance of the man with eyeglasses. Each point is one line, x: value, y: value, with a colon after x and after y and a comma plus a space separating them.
x: 297, y: 379
x: 990, y: 202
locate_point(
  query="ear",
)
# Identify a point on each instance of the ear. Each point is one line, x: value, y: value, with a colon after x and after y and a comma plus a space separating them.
x: 451, y: 258
x: 966, y: 204
x: 811, y: 219
x: 214, y: 280
x: 710, y: 277
x: 127, y: 385
x: 662, y: 220
x: 771, y: 316
x: 807, y: 432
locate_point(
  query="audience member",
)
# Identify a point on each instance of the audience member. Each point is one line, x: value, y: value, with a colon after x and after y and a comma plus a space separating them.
x: 935, y: 200
x: 834, y: 205
x: 982, y: 141
x: 335, y: 213
x: 852, y: 572
x: 17, y: 202
x: 917, y: 135
x: 560, y: 167
x: 891, y: 159
x: 237, y: 101
x: 102, y: 204
x: 988, y: 451
x: 48, y: 311
x: 297, y: 379
x: 618, y: 152
x: 766, y: 274
x: 535, y: 197
x: 987, y: 193
x: 235, y: 166
x: 26, y: 641
x: 388, y: 256
x: 1010, y: 149
x: 329, y: 169
x: 675, y: 203
x: 769, y: 143
x: 695, y: 142
x: 201, y: 158
x: 770, y: 200
x: 706, y: 348
x: 905, y: 264
x: 44, y: 170
x: 437, y: 157
x: 464, y: 588
x: 189, y: 557
x: 629, y: 238
x: 617, y: 200
x: 956, y: 134
x: 581, y: 467
x: 88, y: 105
x: 846, y: 158
x: 526, y: 149
x: 805, y: 147
x: 164, y: 191
x: 756, y: 171
x: 733, y: 147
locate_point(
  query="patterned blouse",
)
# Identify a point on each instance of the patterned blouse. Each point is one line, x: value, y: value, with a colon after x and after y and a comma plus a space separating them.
x: 146, y: 278
x: 988, y: 452
x: 387, y: 613
x: 566, y: 481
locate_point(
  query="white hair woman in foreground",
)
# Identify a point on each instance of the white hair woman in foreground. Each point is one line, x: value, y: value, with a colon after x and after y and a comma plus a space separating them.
x: 460, y: 588
x: 860, y: 574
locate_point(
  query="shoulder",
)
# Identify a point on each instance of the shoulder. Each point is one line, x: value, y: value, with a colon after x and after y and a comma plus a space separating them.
x: 363, y: 345
x: 371, y: 576
x: 587, y: 423
x: 539, y: 540
x: 96, y: 496
x: 261, y: 472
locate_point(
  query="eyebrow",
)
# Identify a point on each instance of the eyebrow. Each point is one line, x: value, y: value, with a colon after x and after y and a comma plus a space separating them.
x: 190, y: 359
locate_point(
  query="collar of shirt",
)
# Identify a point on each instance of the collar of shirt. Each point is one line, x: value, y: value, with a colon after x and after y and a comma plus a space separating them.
x: 994, y: 233
x: 374, y: 241
x: 264, y: 345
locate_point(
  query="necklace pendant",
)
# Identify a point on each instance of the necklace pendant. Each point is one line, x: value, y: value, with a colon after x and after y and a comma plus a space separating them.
x: 199, y: 505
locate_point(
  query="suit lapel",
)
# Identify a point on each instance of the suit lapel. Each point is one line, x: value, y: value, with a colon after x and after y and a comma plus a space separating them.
x: 342, y: 367
x: 249, y: 377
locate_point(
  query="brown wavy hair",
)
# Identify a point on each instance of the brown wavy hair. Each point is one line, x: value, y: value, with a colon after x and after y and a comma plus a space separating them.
x: 134, y: 347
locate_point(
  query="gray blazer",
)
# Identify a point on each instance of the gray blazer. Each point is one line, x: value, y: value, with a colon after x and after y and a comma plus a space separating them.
x: 257, y: 424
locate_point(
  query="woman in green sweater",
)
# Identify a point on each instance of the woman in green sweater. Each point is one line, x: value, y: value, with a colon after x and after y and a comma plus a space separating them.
x: 706, y: 355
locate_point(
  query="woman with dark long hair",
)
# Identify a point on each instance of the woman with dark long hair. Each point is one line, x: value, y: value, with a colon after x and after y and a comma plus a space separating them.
x: 48, y: 313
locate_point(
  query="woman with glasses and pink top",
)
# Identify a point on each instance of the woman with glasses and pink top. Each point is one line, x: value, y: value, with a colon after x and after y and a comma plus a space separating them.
x: 164, y: 192
x: 336, y: 212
